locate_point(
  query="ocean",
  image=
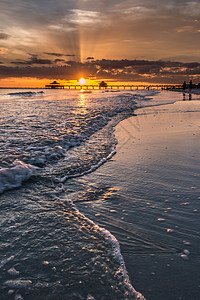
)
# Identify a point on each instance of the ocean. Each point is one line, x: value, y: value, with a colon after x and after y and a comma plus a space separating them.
x: 76, y: 214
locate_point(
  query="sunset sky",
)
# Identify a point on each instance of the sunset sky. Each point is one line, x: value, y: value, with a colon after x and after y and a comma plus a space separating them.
x: 130, y: 40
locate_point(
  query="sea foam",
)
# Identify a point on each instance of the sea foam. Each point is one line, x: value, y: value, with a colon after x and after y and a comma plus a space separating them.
x: 26, y: 94
x: 18, y: 283
x: 111, y: 239
x: 14, y: 176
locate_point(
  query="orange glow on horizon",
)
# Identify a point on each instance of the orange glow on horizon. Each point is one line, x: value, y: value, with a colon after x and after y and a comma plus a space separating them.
x: 28, y: 82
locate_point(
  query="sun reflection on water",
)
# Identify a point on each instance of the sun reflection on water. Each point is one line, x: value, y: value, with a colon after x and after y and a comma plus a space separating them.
x: 82, y: 100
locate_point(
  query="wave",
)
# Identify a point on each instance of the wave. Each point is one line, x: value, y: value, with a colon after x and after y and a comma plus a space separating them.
x: 73, y: 147
x: 93, y: 167
x: 26, y: 94
x: 111, y: 239
x: 14, y: 176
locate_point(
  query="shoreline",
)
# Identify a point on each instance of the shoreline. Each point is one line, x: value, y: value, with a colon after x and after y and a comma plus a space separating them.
x: 120, y: 196
x: 132, y: 235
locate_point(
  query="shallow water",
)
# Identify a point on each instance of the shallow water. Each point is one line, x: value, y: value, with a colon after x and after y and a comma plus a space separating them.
x: 154, y: 201
x: 48, y: 248
x: 49, y: 139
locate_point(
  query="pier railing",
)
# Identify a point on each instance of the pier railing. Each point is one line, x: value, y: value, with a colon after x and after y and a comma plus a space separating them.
x: 114, y: 86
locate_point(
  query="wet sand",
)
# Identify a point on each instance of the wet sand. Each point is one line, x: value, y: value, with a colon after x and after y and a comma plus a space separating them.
x: 153, y: 201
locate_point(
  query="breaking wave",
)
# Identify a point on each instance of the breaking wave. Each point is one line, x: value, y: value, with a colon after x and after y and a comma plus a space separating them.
x: 14, y: 176
x: 26, y: 94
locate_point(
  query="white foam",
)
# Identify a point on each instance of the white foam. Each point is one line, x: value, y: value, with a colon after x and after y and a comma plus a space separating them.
x: 90, y: 297
x: 170, y: 230
x: 10, y: 292
x: 13, y: 272
x: 25, y: 94
x: 18, y: 283
x: 186, y: 252
x: 18, y: 297
x: 5, y: 261
x: 115, y: 248
x: 93, y: 167
x: 161, y: 219
x: 184, y: 256
x: 14, y: 176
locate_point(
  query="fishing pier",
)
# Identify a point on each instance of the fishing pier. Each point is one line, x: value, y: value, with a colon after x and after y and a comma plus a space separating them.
x: 56, y: 85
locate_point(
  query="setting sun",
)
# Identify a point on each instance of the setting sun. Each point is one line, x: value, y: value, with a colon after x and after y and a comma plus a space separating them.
x: 82, y: 81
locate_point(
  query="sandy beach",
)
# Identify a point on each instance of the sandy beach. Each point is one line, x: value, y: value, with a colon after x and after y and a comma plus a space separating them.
x: 152, y: 205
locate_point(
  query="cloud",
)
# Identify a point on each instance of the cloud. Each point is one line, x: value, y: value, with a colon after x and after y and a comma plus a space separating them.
x: 33, y: 60
x: 188, y: 28
x: 83, y: 17
x: 82, y: 30
x: 4, y: 36
x: 54, y: 54
x: 59, y: 72
x: 59, y: 54
x: 59, y: 60
x: 123, y: 70
x: 192, y: 8
x: 3, y: 50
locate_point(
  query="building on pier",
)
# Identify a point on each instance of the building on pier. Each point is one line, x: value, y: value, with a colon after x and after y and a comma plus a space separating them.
x: 103, y: 84
x: 54, y: 85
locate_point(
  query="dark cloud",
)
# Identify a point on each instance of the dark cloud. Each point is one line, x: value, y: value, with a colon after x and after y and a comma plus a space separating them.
x: 35, y: 60
x: 59, y: 54
x: 123, y: 70
x: 59, y: 60
x: 62, y: 72
x: 32, y: 61
x: 54, y: 54
x: 4, y: 36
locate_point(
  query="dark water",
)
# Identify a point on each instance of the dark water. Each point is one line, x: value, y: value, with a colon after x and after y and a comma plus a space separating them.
x: 49, y: 249
x: 153, y: 200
